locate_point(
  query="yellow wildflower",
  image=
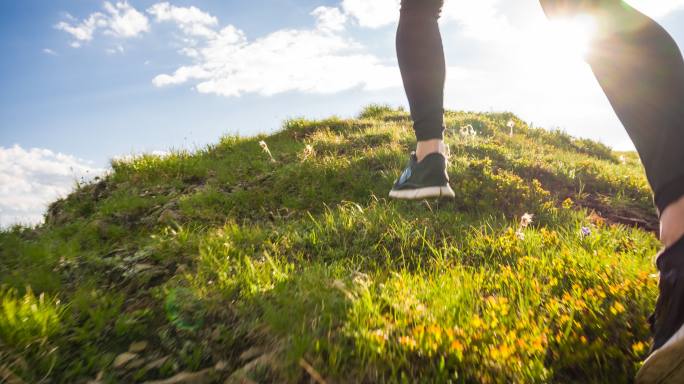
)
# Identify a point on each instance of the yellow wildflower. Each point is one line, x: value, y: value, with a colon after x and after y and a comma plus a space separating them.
x: 617, y: 308
x: 639, y: 348
x: 456, y: 346
x: 408, y: 342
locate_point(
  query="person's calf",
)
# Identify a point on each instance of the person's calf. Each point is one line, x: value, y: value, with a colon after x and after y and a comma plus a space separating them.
x: 672, y: 223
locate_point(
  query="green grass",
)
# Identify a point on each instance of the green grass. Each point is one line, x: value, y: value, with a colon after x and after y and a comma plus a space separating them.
x: 298, y: 266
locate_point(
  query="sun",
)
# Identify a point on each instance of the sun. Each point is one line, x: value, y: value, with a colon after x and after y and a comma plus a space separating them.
x: 549, y: 59
x: 571, y: 36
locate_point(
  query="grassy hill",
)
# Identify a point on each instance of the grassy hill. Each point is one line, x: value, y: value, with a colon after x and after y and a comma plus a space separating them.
x: 233, y: 265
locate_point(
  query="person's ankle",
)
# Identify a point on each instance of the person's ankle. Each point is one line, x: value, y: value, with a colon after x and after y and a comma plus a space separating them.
x: 672, y: 223
x: 428, y: 147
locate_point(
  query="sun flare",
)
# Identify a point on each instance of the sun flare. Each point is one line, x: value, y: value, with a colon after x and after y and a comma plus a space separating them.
x: 572, y: 36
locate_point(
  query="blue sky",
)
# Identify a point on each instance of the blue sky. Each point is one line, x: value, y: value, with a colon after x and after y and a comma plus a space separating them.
x: 86, y: 81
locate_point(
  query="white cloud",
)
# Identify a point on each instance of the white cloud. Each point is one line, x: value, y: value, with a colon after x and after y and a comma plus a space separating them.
x: 318, y: 60
x: 125, y: 21
x: 480, y: 20
x: 372, y: 14
x: 49, y: 51
x: 329, y: 18
x: 84, y: 30
x: 182, y: 75
x: 191, y: 20
x: 121, y: 21
x: 32, y: 179
x: 115, y: 50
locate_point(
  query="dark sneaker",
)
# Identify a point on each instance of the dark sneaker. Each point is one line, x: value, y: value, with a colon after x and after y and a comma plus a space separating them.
x: 424, y: 180
x: 665, y: 365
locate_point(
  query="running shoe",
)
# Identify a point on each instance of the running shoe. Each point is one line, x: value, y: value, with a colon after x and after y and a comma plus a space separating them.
x: 665, y: 365
x: 423, y: 180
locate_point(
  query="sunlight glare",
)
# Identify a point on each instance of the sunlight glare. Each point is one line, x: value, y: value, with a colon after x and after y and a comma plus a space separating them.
x: 572, y: 36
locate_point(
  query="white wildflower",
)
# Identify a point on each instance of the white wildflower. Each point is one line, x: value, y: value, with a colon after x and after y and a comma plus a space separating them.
x: 511, y: 125
x: 526, y: 220
x: 468, y: 130
x: 264, y: 146
x: 623, y: 159
x: 307, y: 152
x: 380, y: 334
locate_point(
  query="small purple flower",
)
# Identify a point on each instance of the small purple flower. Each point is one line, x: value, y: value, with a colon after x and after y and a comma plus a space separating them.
x: 586, y: 231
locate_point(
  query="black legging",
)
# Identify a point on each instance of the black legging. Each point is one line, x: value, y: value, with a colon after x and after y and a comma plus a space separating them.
x: 637, y: 63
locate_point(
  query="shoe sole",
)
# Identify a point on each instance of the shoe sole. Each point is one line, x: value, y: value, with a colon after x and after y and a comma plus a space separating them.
x: 424, y: 193
x: 666, y: 365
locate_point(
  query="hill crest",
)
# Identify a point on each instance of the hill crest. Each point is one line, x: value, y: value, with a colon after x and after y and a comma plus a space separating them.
x: 278, y: 258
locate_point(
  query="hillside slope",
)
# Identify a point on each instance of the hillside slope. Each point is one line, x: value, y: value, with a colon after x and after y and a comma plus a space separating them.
x: 283, y: 261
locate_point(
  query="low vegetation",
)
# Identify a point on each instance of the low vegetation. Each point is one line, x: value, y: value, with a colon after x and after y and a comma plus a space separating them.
x: 279, y: 259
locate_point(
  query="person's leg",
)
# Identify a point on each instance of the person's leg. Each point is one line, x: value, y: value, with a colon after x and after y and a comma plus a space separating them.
x: 422, y: 65
x: 641, y: 70
x: 672, y: 223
